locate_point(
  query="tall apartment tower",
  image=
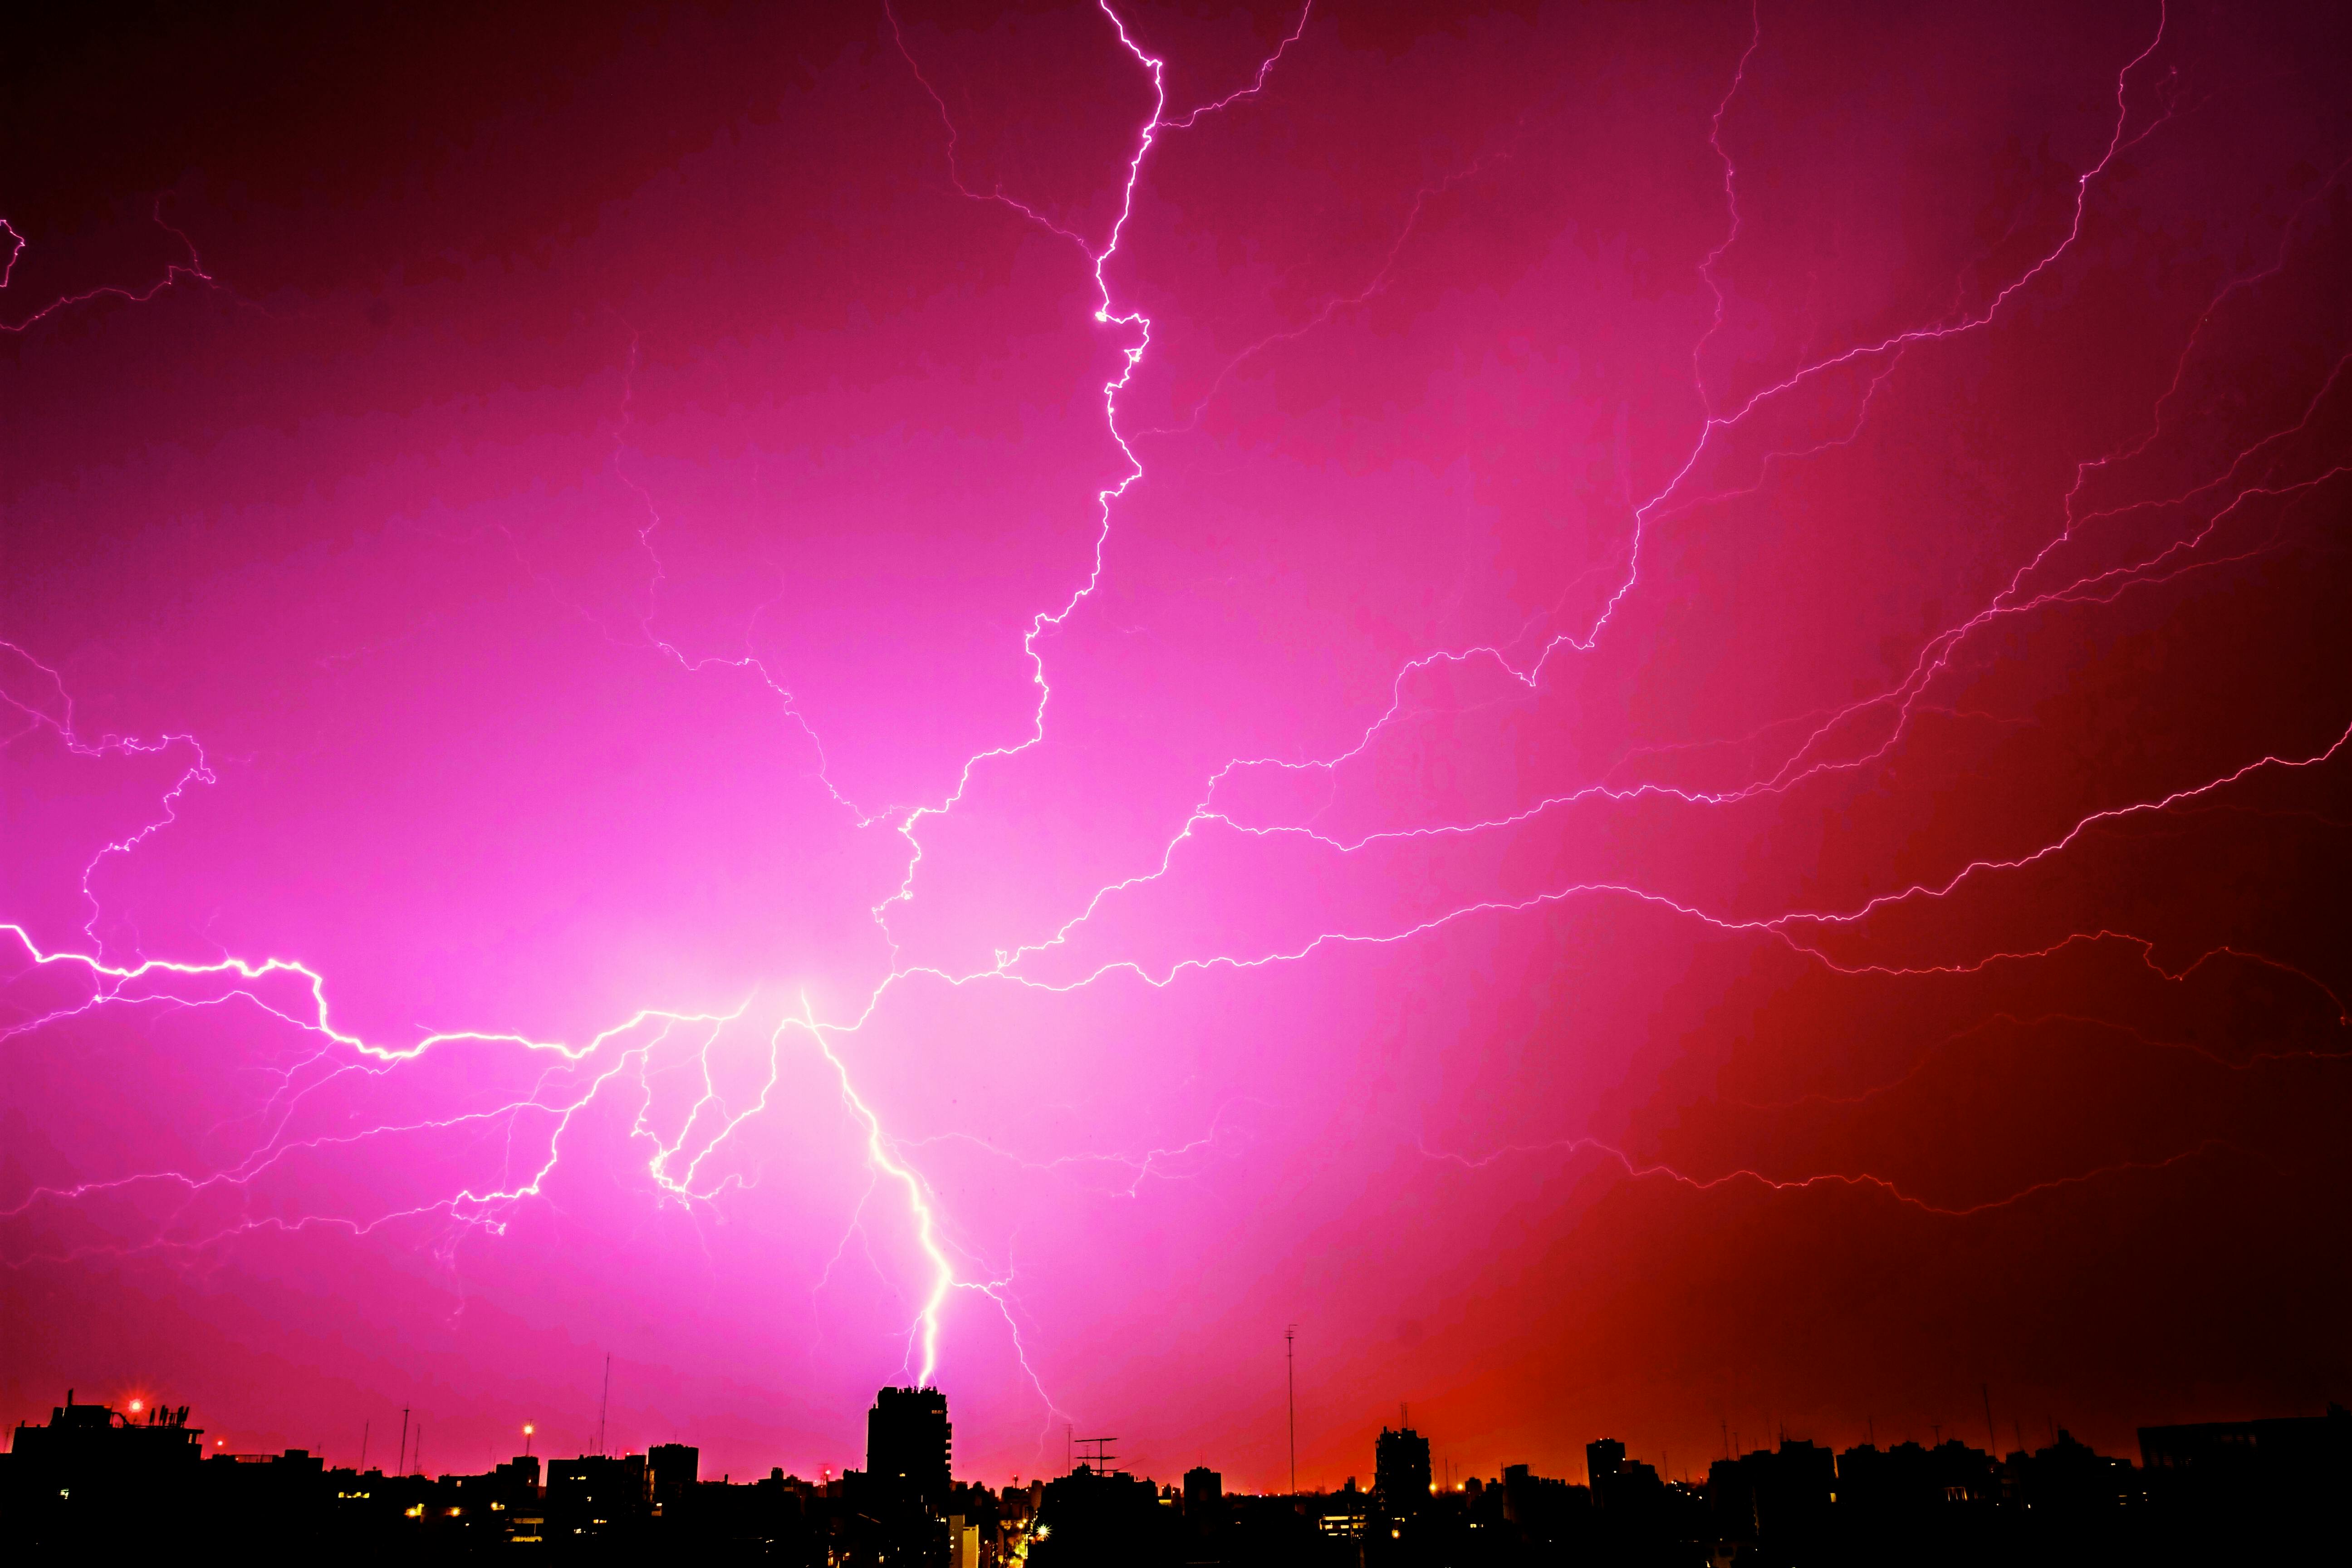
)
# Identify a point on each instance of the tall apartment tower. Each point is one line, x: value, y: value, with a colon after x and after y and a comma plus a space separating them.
x: 908, y: 1445
x: 1204, y: 1496
x: 675, y: 1467
x: 1400, y: 1472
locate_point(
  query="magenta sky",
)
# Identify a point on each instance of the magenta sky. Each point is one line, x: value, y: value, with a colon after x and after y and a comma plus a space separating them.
x: 1675, y: 757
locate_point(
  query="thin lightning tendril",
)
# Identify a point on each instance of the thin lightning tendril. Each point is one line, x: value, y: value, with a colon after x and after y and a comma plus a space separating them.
x: 194, y: 268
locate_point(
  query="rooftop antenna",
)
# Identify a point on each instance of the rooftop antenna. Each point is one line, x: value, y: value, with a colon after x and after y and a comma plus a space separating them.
x: 1290, y: 1387
x: 1725, y: 1422
x: 363, y: 1436
x: 1992, y: 1438
x: 605, y: 1404
x: 1869, y: 1425
x: 400, y: 1465
x: 417, y: 1459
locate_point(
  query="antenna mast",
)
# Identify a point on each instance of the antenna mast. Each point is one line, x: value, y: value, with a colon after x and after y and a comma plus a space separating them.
x: 1290, y: 1388
x: 605, y: 1404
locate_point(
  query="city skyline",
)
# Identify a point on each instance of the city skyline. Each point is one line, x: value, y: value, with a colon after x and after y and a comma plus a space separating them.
x: 1410, y: 1451
x: 2270, y: 1483
x: 1991, y: 1429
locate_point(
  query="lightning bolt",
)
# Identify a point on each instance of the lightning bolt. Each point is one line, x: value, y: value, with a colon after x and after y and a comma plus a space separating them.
x: 887, y: 1165
x: 173, y: 273
x: 1638, y: 1170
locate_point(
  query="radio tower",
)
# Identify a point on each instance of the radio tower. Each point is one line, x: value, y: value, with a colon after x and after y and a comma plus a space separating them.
x: 605, y: 1403
x: 1290, y: 1388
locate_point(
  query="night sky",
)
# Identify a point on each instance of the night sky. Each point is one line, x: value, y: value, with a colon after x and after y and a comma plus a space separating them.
x: 1641, y: 710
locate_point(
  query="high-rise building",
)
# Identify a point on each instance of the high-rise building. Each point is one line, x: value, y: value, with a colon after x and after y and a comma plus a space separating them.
x: 909, y: 1447
x: 1602, y: 1458
x: 674, y: 1467
x: 1400, y: 1472
x: 1205, y: 1494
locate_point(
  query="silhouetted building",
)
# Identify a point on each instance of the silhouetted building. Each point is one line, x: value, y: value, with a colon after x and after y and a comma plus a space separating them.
x: 92, y: 1471
x: 1400, y: 1473
x: 673, y: 1468
x: 93, y: 1467
x: 1635, y: 1517
x: 1778, y: 1500
x: 2068, y: 1476
x: 1093, y: 1516
x: 2256, y: 1490
x: 595, y: 1494
x: 896, y: 1511
x: 1602, y: 1458
x: 1204, y: 1496
x: 1618, y: 1482
x: 1541, y: 1510
x: 908, y: 1449
x: 2238, y: 1460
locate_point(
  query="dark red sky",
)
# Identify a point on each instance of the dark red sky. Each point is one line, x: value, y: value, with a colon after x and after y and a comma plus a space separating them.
x: 1697, y: 787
